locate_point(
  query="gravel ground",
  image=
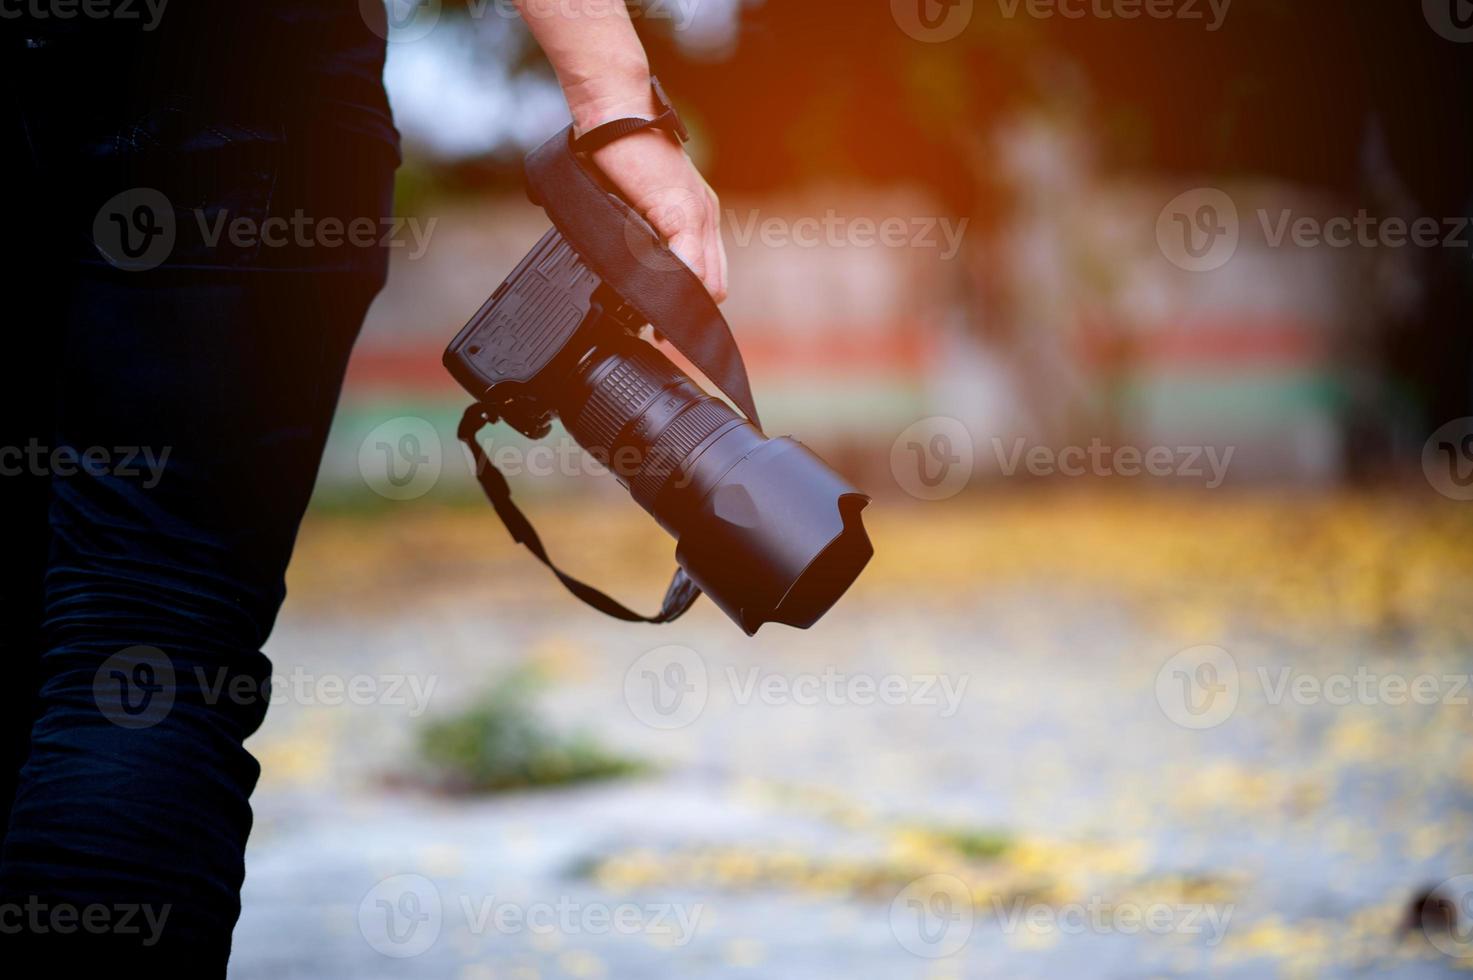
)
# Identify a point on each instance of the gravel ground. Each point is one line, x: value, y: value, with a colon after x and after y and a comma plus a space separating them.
x: 1079, y: 735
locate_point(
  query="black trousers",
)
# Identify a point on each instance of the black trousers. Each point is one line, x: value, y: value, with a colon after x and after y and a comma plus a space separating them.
x: 172, y: 359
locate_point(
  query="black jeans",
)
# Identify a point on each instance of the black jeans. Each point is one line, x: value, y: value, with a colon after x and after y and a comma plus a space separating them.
x: 164, y: 411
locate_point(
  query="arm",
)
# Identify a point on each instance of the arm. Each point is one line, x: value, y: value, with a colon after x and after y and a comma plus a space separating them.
x: 605, y: 75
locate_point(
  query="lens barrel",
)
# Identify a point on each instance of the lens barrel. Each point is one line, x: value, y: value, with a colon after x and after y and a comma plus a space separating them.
x: 764, y: 527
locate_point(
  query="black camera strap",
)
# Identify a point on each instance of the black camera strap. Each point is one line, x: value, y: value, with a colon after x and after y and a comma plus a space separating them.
x: 679, y: 597
x: 625, y: 252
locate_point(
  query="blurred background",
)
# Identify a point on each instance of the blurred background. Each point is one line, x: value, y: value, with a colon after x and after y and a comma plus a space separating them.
x: 1146, y: 324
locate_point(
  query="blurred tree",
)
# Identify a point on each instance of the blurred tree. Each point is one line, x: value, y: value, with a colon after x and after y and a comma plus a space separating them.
x: 834, y: 91
x: 1283, y: 89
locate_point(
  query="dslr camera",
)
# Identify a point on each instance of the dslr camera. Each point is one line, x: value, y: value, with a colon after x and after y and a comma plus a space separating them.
x: 763, y: 525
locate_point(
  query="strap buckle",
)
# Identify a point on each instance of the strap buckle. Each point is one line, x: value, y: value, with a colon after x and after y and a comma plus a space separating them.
x: 668, y: 115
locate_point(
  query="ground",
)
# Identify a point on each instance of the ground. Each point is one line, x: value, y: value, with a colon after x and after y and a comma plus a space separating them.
x: 990, y: 760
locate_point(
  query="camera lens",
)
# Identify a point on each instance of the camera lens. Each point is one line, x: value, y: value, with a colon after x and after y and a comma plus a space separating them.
x: 764, y: 526
x: 642, y: 417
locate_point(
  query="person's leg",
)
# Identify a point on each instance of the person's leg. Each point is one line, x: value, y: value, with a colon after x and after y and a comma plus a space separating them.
x: 194, y: 402
x: 25, y: 402
x: 211, y: 401
x: 26, y: 398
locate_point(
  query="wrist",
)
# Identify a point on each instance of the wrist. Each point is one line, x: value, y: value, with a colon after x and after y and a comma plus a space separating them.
x: 611, y: 95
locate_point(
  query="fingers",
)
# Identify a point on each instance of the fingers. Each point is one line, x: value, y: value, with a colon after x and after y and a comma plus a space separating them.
x: 690, y: 247
x: 691, y: 225
x: 698, y: 240
x: 715, y: 277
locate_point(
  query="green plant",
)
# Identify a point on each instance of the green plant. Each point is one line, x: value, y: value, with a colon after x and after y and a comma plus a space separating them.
x: 499, y: 742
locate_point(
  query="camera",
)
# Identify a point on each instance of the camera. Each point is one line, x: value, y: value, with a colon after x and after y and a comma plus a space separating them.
x: 764, y: 526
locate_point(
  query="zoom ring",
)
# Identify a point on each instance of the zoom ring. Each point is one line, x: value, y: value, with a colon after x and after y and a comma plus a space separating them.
x: 674, y: 446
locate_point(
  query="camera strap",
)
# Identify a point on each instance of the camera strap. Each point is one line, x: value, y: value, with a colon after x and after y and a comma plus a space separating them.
x: 625, y: 252
x: 679, y: 597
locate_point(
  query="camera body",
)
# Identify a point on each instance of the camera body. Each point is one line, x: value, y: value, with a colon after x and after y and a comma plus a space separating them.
x: 764, y: 526
x: 529, y: 336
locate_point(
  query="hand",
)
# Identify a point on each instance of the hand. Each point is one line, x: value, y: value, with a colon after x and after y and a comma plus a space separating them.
x: 653, y: 173
x: 605, y: 75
